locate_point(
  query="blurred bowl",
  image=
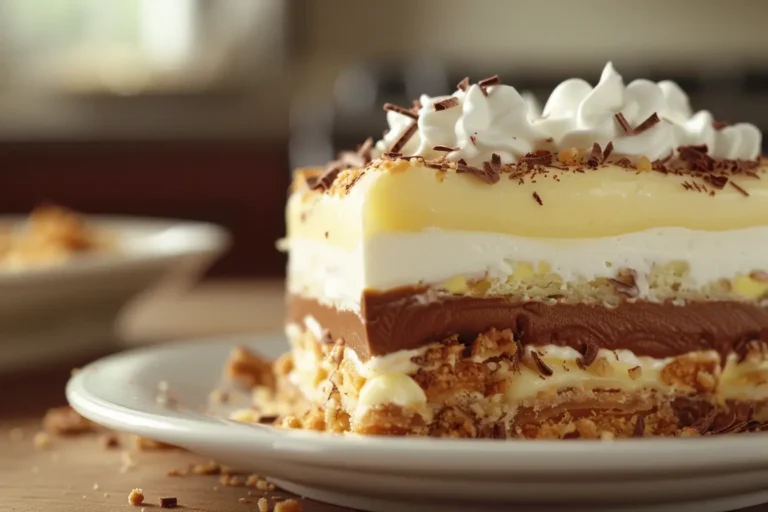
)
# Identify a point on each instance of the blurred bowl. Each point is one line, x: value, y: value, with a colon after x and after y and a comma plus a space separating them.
x: 68, y: 310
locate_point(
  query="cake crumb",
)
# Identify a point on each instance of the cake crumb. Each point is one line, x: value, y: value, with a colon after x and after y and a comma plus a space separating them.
x: 252, y: 480
x: 136, y: 497
x: 147, y: 445
x: 263, y: 505
x: 106, y: 495
x: 65, y: 421
x: 42, y: 441
x: 288, y: 506
x: 95, y: 487
x: 175, y: 472
x: 207, y: 468
x: 245, y: 500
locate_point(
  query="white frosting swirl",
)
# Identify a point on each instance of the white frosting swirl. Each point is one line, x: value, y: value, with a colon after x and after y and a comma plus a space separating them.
x: 575, y: 116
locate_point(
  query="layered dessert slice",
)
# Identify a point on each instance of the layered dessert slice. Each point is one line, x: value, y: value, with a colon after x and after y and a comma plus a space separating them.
x: 486, y: 270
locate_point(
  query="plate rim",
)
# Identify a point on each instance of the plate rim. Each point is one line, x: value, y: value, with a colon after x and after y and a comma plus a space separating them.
x: 210, y: 240
x: 737, y: 452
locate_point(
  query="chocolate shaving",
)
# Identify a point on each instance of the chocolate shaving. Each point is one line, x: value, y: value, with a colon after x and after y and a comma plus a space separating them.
x: 719, y: 125
x: 623, y: 123
x: 473, y: 139
x: 391, y: 107
x: 447, y: 149
x: 741, y: 190
x: 491, y: 173
x: 608, y: 151
x: 464, y: 84
x: 541, y: 365
x: 649, y: 123
x: 589, y: 354
x: 496, y: 162
x: 595, y: 158
x: 540, y: 157
x: 487, y: 175
x: 416, y: 104
x: 696, y: 157
x: 537, y: 198
x: 268, y: 419
x: 446, y: 104
x: 624, y: 162
x: 346, y: 160
x: 404, y: 138
x: 625, y: 283
x: 717, y: 181
x: 639, y: 430
x: 487, y: 82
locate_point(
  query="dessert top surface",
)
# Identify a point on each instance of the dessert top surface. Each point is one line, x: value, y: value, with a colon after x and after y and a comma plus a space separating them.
x: 488, y: 128
x: 596, y: 161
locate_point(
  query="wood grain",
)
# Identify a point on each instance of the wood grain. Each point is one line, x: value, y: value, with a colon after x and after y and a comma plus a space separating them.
x: 62, y: 478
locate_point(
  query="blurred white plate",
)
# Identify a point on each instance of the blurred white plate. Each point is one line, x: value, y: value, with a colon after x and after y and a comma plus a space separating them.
x: 417, y: 474
x: 69, y: 309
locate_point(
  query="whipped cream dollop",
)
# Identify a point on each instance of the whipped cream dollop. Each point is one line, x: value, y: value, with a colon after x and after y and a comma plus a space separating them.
x: 498, y: 119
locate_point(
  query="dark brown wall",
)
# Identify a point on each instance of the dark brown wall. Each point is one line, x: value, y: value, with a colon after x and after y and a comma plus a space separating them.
x: 238, y: 184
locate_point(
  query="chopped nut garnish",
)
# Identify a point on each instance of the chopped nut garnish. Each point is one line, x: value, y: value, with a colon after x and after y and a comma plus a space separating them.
x: 146, y: 445
x: 635, y: 373
x: 136, y: 497
x: 288, y: 506
x: 644, y: 164
x: 263, y: 505
x: 249, y: 369
x: 569, y: 156
x: 208, y: 468
x: 42, y: 441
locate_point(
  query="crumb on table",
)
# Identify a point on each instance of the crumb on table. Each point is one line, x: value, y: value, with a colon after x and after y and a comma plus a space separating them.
x: 136, y: 497
x: 170, y: 502
x: 65, y: 421
x: 288, y: 506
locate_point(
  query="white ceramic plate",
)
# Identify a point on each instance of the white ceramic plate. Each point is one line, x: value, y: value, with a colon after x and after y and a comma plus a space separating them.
x: 385, y: 474
x: 70, y: 308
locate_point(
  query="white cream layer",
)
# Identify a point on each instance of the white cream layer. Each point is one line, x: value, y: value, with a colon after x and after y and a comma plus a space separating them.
x: 338, y: 276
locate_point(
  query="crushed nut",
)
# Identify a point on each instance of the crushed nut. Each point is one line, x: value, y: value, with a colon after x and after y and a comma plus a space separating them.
x: 644, y: 164
x: 249, y: 369
x: 136, y: 497
x: 635, y: 373
x: 288, y: 506
x: 569, y: 156
x: 65, y: 421
x: 147, y: 445
x: 208, y: 468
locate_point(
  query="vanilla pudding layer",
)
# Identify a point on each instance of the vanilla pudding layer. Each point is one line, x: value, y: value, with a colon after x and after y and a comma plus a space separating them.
x: 405, y: 224
x: 494, y: 383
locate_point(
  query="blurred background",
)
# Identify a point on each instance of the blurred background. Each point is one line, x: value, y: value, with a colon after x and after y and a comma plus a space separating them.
x: 198, y: 109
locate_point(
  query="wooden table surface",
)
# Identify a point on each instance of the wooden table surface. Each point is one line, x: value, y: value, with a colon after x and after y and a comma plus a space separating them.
x: 78, y: 473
